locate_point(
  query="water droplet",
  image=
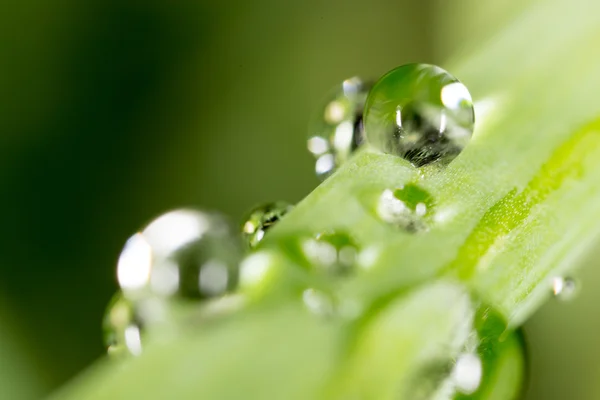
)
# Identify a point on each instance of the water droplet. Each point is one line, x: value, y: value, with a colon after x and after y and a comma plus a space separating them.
x: 261, y: 219
x: 181, y: 254
x: 333, y: 253
x: 467, y: 372
x: 122, y: 328
x: 421, y: 113
x: 493, y: 361
x: 337, y: 131
x: 408, y: 207
x: 564, y: 288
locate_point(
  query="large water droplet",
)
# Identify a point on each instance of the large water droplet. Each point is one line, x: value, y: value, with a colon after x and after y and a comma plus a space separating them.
x: 184, y: 254
x: 419, y: 112
x: 122, y: 328
x: 337, y: 130
x: 332, y: 253
x: 564, y: 288
x: 408, y: 207
x: 261, y: 219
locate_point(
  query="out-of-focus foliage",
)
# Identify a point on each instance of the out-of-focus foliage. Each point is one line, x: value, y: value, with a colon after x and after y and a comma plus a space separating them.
x: 20, y: 378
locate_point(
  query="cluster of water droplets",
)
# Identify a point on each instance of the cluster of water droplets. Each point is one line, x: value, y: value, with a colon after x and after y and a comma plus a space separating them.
x: 189, y: 259
x: 419, y: 112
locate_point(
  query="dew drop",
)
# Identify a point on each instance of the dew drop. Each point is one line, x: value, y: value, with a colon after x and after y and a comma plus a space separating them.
x: 467, y: 373
x: 337, y: 129
x: 261, y: 219
x: 183, y: 254
x: 421, y: 113
x: 122, y: 328
x: 332, y: 253
x: 493, y: 362
x: 564, y: 288
x: 408, y: 207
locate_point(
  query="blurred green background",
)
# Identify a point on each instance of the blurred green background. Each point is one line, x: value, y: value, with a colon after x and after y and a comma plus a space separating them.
x: 114, y: 111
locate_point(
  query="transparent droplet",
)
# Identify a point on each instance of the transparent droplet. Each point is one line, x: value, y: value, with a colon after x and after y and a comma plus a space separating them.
x: 336, y: 131
x: 122, y: 328
x: 183, y: 254
x: 564, y: 288
x: 408, y: 207
x: 332, y: 253
x: 261, y: 219
x: 421, y: 113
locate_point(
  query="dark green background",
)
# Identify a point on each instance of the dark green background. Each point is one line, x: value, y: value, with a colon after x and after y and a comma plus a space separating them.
x: 114, y: 111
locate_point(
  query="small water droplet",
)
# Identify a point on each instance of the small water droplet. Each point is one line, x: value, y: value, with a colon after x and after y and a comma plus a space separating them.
x: 467, y: 373
x: 333, y: 253
x: 564, y: 288
x: 408, y: 207
x: 261, y: 219
x: 122, y: 328
x: 337, y: 131
x: 181, y: 254
x: 493, y: 360
x: 421, y: 113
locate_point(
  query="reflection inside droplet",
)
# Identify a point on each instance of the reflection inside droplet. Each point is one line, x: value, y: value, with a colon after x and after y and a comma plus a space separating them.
x: 318, y: 145
x: 165, y: 280
x: 407, y: 207
x: 325, y: 164
x: 135, y: 261
x: 334, y: 112
x: 213, y: 277
x: 336, y: 131
x: 456, y: 96
x: 343, y: 135
x: 133, y: 340
x: 175, y: 229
